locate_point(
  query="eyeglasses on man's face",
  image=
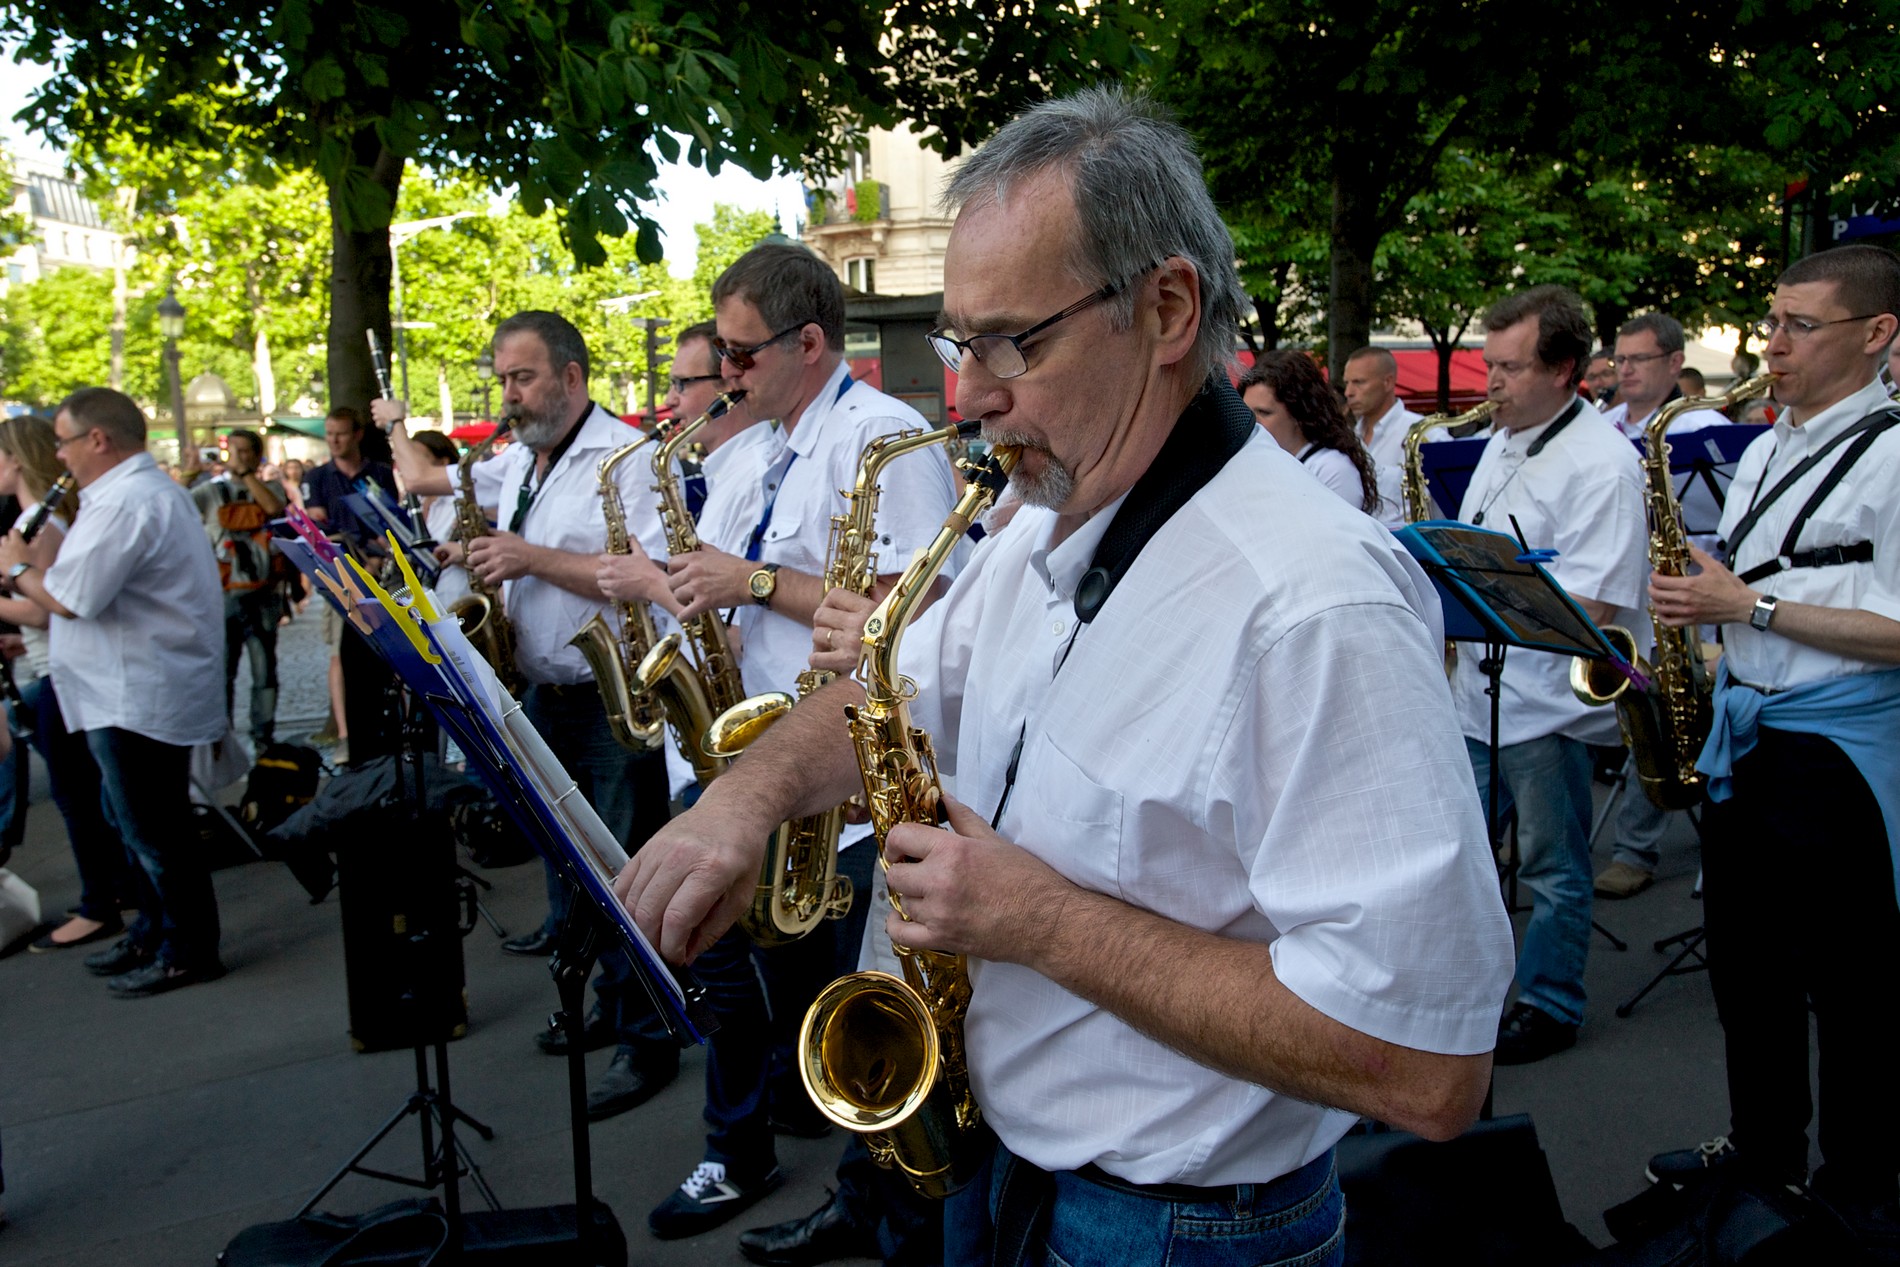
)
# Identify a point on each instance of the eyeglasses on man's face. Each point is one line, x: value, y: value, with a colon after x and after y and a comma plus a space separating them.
x: 745, y: 358
x: 681, y: 383
x: 60, y: 442
x: 1798, y: 328
x: 1636, y: 359
x: 1003, y: 355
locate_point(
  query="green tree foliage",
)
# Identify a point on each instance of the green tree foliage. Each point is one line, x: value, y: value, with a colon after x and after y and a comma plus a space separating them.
x: 248, y: 260
x: 1658, y: 134
x: 571, y: 105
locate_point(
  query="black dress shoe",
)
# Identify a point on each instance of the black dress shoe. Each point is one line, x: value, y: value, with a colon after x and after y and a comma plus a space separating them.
x: 538, y: 944
x: 627, y: 1084
x: 120, y: 957
x: 159, y: 977
x: 44, y: 944
x: 1529, y: 1034
x: 828, y: 1233
x: 596, y: 1033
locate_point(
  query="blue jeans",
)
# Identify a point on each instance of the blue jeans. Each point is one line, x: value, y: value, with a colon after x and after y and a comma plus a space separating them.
x: 144, y: 784
x: 250, y: 620
x: 105, y: 874
x: 1548, y: 780
x: 628, y: 791
x: 1296, y: 1219
x: 1640, y: 824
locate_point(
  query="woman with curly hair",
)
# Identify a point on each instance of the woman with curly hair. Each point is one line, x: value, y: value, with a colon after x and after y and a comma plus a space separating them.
x: 1289, y: 396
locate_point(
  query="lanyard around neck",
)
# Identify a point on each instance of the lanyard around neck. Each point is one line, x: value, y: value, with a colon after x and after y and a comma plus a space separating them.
x: 1537, y: 446
x: 531, y: 487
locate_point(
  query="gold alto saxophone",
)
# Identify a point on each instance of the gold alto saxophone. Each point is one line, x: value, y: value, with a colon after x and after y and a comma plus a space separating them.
x: 636, y: 718
x: 1665, y: 726
x: 878, y: 1055
x: 693, y: 695
x: 479, y: 612
x: 1418, y: 502
x: 799, y: 886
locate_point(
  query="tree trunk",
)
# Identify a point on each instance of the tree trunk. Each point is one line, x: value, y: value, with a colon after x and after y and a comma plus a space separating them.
x: 359, y: 289
x: 1354, y: 240
x: 1442, y: 347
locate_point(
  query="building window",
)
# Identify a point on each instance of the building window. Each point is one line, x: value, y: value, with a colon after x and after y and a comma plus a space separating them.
x: 861, y: 274
x: 16, y: 272
x: 860, y: 165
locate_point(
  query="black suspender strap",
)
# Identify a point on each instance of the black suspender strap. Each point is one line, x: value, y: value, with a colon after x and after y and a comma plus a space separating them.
x: 1210, y: 431
x: 1863, y: 434
x: 1883, y: 418
x: 1214, y: 427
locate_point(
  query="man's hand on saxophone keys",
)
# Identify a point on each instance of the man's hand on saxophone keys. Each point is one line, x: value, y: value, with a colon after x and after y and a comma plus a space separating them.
x: 1712, y: 595
x: 635, y: 578
x: 705, y: 579
x: 968, y: 891
x: 838, y: 630
x: 501, y: 556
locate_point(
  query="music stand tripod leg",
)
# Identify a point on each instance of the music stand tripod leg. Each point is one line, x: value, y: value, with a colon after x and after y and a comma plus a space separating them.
x: 576, y: 947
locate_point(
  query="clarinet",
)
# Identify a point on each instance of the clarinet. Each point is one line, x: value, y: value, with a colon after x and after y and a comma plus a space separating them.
x: 29, y: 529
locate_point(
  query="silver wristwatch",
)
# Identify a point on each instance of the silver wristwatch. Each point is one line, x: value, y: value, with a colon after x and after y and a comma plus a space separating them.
x: 1763, y: 613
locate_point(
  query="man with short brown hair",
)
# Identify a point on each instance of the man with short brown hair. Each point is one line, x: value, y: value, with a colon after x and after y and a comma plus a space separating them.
x: 1804, y: 785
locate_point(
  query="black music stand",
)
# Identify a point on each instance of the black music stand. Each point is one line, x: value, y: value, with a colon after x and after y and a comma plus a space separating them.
x: 1494, y: 590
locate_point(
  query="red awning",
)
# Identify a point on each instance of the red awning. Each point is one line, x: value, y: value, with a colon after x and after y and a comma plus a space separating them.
x: 472, y: 432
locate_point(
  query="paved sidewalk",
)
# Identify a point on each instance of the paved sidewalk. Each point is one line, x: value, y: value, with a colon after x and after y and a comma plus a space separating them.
x: 152, y: 1131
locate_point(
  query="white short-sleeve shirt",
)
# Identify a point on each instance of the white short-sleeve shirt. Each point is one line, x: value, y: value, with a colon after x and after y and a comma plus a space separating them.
x: 1336, y: 471
x: 144, y: 650
x: 1865, y: 506
x: 566, y: 514
x: 1582, y: 496
x: 1253, y: 738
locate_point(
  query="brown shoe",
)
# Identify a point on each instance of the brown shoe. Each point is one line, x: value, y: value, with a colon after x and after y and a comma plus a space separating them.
x: 1621, y: 880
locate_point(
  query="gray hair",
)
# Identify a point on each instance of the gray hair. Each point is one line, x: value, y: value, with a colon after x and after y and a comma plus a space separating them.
x: 1667, y: 329
x: 1139, y: 196
x: 564, y: 343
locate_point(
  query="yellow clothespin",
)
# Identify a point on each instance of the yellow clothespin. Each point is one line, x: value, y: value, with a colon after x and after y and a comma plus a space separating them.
x: 418, y: 592
x: 405, y: 617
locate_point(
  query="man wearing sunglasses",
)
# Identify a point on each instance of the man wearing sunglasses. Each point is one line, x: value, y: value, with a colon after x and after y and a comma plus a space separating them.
x: 1798, y: 890
x: 765, y: 529
x: 544, y: 555
x: 1230, y: 905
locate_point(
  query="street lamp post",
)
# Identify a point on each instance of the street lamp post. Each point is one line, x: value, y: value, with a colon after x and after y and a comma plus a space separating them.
x: 485, y: 370
x: 171, y: 324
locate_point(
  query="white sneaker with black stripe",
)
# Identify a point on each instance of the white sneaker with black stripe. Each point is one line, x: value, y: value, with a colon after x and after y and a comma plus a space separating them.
x: 711, y: 1195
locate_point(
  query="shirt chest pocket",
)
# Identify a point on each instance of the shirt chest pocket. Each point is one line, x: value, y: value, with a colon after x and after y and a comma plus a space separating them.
x: 1067, y: 819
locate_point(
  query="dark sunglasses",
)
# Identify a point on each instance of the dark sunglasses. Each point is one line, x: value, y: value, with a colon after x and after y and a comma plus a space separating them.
x: 745, y: 358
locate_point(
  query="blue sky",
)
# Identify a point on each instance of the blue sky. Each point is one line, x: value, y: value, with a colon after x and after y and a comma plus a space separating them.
x: 691, y: 193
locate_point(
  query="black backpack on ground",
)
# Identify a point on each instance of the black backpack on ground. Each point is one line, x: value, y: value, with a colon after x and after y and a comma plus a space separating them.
x: 283, y: 781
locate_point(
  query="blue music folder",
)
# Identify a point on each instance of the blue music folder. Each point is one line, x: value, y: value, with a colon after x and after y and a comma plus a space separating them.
x: 1492, y: 590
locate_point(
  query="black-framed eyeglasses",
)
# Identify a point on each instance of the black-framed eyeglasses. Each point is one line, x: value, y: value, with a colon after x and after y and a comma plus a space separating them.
x: 1802, y: 327
x: 744, y: 358
x: 1636, y: 358
x: 1002, y: 354
x: 680, y: 384
x: 60, y: 441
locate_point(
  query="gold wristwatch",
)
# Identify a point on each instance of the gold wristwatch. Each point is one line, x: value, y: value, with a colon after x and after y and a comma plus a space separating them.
x: 763, y: 584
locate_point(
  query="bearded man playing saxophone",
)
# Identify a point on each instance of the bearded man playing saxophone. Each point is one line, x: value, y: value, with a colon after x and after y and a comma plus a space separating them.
x: 546, y: 551
x: 1207, y: 933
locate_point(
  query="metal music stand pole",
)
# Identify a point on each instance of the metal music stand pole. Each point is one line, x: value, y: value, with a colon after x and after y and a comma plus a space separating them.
x: 442, y: 1166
